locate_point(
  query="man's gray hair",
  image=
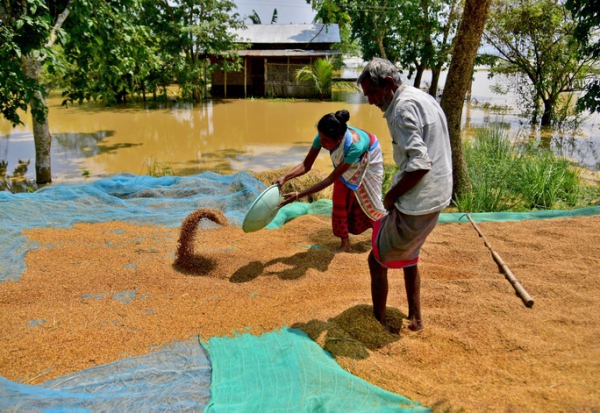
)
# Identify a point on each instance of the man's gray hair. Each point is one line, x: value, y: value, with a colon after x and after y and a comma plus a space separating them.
x: 377, y: 70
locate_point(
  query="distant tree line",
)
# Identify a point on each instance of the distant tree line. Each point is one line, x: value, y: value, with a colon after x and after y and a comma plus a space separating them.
x: 107, y: 51
x: 112, y: 50
x: 545, y: 47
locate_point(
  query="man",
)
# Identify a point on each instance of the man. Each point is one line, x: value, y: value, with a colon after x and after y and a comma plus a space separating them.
x: 421, y: 189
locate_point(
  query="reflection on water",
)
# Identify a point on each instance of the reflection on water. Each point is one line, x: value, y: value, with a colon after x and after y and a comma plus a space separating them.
x: 16, y: 181
x: 229, y: 135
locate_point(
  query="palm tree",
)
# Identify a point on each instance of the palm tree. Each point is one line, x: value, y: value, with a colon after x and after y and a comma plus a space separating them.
x: 319, y: 74
x: 255, y: 18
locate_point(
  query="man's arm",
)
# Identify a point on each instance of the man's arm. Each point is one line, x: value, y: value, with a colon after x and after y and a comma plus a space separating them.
x: 405, y: 184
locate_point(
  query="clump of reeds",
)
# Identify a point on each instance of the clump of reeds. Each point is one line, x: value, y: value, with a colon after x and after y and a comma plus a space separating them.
x: 186, y: 259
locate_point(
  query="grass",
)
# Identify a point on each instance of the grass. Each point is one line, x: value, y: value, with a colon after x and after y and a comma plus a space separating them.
x: 158, y: 169
x: 509, y: 176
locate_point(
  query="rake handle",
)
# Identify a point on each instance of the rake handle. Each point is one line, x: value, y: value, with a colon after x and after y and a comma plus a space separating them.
x: 509, y: 274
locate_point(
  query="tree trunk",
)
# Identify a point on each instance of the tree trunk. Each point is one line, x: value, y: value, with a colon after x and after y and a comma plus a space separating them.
x: 547, y: 115
x: 419, y: 75
x: 435, y: 79
x: 470, y: 89
x: 466, y: 44
x: 381, y: 48
x: 41, y: 131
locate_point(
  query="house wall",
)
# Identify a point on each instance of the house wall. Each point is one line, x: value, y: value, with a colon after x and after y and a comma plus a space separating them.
x: 280, y: 79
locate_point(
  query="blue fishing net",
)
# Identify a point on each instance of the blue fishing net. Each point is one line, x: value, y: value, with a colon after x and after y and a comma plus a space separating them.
x: 174, y: 380
x: 131, y: 198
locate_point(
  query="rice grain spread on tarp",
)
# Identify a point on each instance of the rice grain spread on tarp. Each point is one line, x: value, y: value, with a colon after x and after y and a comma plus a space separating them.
x: 89, y: 283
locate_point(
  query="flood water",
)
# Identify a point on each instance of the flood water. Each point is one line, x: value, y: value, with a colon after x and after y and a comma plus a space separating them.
x: 227, y: 136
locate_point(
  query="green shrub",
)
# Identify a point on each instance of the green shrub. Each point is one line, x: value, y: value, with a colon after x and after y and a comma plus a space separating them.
x: 490, y: 163
x: 509, y: 177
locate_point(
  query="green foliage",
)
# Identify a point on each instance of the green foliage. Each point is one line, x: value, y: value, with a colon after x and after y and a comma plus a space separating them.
x: 186, y: 33
x: 490, y: 164
x: 372, y: 24
x: 109, y: 53
x: 537, y: 52
x: 319, y: 75
x: 254, y: 17
x: 587, y: 17
x: 585, y: 13
x: 510, y: 177
x: 546, y: 182
x: 388, y: 175
x: 413, y: 33
x: 328, y: 11
x: 274, y: 17
x: 24, y: 32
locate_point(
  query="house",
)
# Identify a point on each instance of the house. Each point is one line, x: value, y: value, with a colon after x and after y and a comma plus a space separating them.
x: 274, y: 54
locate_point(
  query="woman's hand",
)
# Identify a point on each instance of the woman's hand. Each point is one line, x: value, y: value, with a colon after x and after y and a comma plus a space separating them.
x: 288, y: 198
x: 279, y: 181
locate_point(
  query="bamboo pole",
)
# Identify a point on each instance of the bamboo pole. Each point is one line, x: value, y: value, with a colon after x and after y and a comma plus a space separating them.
x: 509, y: 275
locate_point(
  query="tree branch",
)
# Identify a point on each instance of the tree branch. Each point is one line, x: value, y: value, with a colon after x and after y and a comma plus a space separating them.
x: 59, y: 22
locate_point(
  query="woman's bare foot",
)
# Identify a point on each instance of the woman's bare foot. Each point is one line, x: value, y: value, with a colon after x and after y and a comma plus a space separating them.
x: 345, y: 247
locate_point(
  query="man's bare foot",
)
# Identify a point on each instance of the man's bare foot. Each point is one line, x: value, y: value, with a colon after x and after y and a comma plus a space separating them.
x: 386, y: 326
x: 390, y: 329
x: 415, y: 325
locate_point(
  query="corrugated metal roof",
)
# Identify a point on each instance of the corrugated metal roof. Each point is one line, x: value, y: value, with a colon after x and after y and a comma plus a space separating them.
x: 287, y: 52
x: 289, y: 33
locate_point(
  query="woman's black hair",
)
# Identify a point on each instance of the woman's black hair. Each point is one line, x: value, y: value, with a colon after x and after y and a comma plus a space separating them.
x: 334, y: 125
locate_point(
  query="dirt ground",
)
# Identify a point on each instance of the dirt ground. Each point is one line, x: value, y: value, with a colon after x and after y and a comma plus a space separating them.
x: 482, y: 349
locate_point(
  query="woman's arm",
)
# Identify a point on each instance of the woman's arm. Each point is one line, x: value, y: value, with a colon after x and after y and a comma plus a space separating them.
x: 299, y: 169
x: 333, y: 176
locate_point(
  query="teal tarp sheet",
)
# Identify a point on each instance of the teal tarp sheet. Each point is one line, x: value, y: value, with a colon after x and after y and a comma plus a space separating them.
x: 286, y: 372
x: 519, y: 216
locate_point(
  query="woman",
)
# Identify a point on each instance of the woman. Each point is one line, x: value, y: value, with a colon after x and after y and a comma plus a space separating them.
x: 356, y: 178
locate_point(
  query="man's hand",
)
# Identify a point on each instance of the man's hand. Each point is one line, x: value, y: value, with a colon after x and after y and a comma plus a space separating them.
x: 388, y: 202
x: 405, y: 184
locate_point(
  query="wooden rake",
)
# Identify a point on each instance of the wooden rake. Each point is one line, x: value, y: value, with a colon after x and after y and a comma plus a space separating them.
x: 509, y: 275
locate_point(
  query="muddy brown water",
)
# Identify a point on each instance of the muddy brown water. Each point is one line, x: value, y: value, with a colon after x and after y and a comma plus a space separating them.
x: 228, y: 136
